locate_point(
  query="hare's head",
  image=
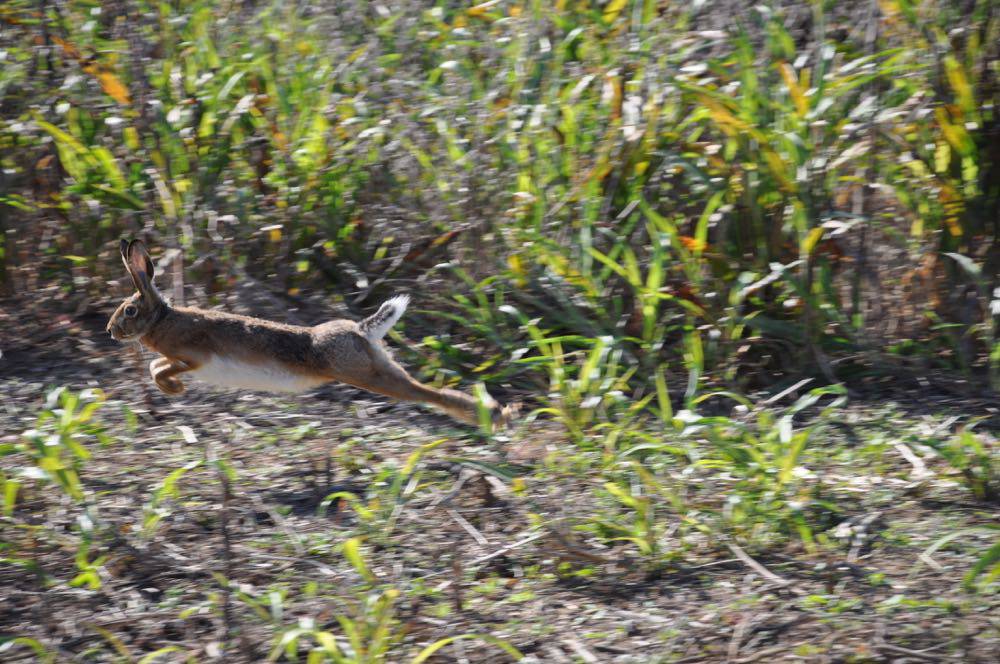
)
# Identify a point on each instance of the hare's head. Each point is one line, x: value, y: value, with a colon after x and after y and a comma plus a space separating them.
x: 140, y: 311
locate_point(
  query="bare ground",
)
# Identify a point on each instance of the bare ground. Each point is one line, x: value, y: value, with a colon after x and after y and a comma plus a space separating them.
x: 468, y: 554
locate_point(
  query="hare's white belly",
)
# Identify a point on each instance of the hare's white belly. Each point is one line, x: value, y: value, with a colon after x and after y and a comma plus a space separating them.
x: 267, y: 377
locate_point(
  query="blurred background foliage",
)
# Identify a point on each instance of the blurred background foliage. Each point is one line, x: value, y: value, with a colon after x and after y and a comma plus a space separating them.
x: 604, y: 199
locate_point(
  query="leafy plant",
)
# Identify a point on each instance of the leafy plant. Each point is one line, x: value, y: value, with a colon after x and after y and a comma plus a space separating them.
x: 55, y: 445
x: 771, y: 491
x: 984, y: 573
x: 393, y: 486
x: 976, y: 459
x: 158, y: 507
x: 8, y: 644
x: 367, y: 634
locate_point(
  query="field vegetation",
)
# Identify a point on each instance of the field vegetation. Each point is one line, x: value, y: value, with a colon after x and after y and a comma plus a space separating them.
x: 738, y: 261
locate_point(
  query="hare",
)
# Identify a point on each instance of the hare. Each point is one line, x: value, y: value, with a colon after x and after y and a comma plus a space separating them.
x: 256, y: 354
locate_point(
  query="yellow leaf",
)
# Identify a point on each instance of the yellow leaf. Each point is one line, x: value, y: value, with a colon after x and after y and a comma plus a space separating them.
x: 812, y: 239
x: 942, y: 157
x: 131, y: 136
x: 954, y: 133
x: 68, y: 48
x: 109, y: 82
x: 890, y: 8
x: 613, y: 9
x: 960, y: 84
x: 970, y: 173
x: 483, y: 366
x: 777, y: 168
x: 482, y: 8
x: 918, y: 167
x: 516, y: 266
x: 794, y: 89
x: 954, y: 227
x: 273, y: 232
x: 728, y: 123
x: 113, y: 87
x: 952, y: 204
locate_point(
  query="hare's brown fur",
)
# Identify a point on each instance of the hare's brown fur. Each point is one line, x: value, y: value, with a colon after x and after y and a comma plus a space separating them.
x: 188, y: 339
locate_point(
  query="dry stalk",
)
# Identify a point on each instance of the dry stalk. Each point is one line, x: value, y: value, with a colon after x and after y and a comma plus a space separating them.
x: 456, y: 582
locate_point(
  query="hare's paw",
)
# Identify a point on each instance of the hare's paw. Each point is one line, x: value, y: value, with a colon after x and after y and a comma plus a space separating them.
x: 170, y: 385
x: 163, y: 372
x: 158, y: 365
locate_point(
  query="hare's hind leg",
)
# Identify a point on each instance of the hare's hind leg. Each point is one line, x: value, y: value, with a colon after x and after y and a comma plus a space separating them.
x: 164, y: 371
x: 384, y: 376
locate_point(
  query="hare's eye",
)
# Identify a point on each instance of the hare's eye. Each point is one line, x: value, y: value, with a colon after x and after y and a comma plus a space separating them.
x: 131, y: 311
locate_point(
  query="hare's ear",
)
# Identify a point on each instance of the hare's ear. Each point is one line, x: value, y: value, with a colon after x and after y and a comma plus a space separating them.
x: 140, y: 267
x: 124, y: 247
x: 139, y: 258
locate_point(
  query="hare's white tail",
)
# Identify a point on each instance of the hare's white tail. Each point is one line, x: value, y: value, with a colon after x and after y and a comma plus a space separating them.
x: 379, y: 323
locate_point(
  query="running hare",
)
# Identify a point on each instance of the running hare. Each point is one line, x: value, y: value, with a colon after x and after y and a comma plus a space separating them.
x: 256, y: 354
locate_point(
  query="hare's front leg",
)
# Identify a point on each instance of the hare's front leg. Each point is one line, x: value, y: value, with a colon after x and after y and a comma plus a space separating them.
x: 164, y: 371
